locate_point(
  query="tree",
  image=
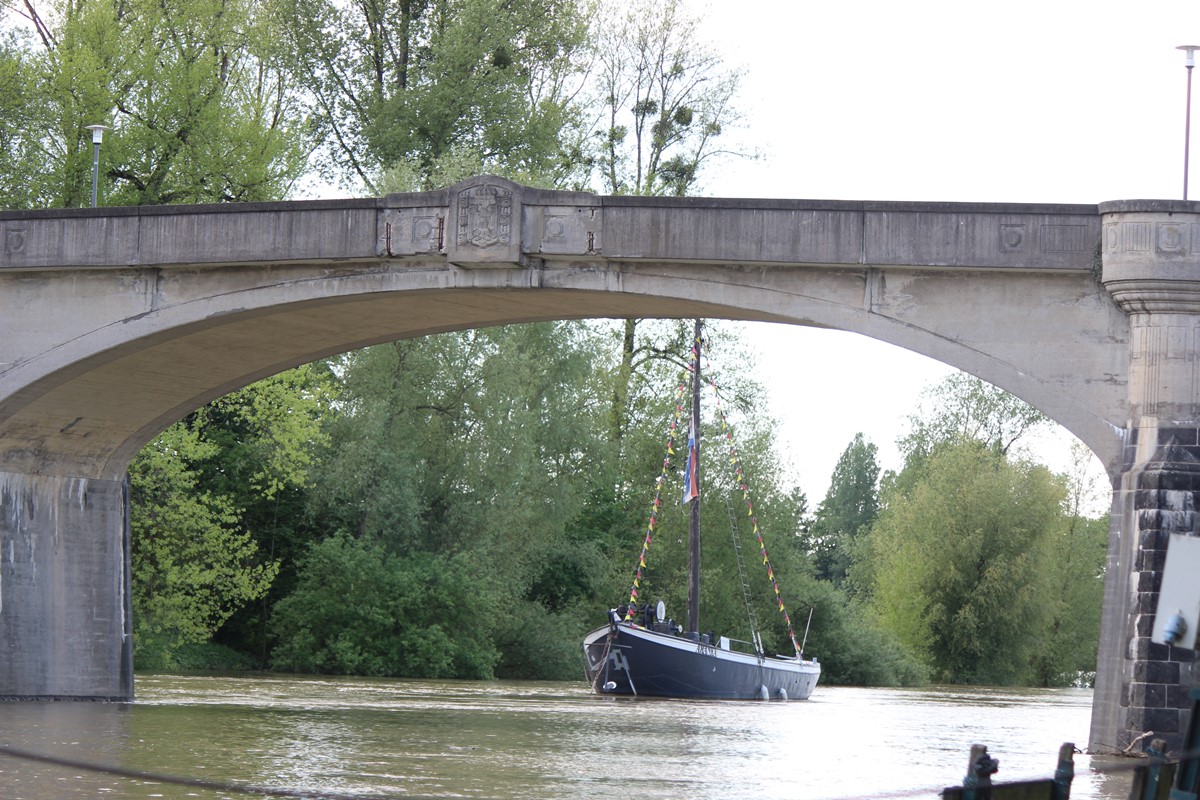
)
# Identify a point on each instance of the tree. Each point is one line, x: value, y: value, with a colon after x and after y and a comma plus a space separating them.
x: 646, y: 364
x: 1077, y: 558
x: 268, y: 437
x: 982, y: 563
x: 21, y: 116
x: 665, y: 98
x: 478, y: 444
x: 423, y: 84
x: 217, y: 510
x: 959, y: 558
x: 200, y: 109
x: 359, y: 610
x: 192, y: 565
x: 848, y: 510
x: 1066, y: 655
x: 967, y: 408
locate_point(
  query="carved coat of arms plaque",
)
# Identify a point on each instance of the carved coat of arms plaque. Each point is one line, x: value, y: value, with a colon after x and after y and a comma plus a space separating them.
x: 485, y: 216
x: 486, y: 225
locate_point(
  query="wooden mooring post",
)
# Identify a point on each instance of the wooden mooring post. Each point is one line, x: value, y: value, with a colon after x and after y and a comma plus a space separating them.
x: 1162, y: 779
x: 978, y: 785
x: 1152, y: 781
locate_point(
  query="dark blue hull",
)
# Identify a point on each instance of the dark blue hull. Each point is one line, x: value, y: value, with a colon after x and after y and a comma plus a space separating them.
x: 628, y: 660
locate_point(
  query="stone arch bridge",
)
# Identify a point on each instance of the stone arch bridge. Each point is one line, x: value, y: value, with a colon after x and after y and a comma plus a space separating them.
x: 115, y: 323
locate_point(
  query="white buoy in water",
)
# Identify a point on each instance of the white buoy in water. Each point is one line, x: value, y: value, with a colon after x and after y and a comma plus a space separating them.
x: 782, y: 693
x: 763, y: 694
x: 610, y: 686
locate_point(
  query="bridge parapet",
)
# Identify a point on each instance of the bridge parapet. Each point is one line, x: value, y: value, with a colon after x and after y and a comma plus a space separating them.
x: 489, y: 222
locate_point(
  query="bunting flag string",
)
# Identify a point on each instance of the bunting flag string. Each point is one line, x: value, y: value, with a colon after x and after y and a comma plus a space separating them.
x: 736, y: 463
x: 659, y: 483
x: 762, y: 547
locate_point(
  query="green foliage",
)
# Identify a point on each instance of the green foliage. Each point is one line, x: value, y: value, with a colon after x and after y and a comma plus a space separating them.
x: 360, y: 610
x: 22, y: 162
x: 199, y: 108
x: 664, y: 99
x: 192, y: 565
x: 981, y: 563
x: 215, y: 509
x: 959, y: 576
x: 848, y: 510
x: 651, y: 357
x: 266, y: 433
x: 538, y: 644
x: 967, y: 408
x: 431, y: 83
x: 440, y: 443
x: 1067, y: 652
x: 157, y: 654
x: 852, y: 648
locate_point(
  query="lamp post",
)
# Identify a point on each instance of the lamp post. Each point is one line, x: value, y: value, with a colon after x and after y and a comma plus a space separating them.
x: 1187, y: 125
x: 98, y: 137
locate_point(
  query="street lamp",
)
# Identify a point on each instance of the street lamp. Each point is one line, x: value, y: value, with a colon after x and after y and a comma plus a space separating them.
x: 1187, y: 125
x: 98, y: 137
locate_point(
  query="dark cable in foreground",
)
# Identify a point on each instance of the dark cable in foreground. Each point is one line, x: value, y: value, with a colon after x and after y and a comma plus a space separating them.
x: 266, y: 791
x: 195, y: 783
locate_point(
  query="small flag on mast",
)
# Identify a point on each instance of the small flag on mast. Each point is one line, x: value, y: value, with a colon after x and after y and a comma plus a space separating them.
x: 691, y: 478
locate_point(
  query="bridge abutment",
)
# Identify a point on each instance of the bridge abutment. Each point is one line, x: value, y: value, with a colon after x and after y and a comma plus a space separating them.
x: 65, y: 614
x: 1151, y: 267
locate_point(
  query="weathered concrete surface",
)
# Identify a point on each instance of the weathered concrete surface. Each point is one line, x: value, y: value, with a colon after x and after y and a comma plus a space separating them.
x: 64, y: 589
x: 1151, y: 252
x: 114, y: 323
x: 170, y: 307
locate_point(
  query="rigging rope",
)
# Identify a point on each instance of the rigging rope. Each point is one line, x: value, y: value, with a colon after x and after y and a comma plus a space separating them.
x: 657, y: 504
x: 762, y: 547
x: 735, y: 460
x: 735, y: 534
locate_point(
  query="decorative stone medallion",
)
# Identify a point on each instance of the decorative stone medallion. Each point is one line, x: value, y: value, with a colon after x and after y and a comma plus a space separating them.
x: 14, y: 241
x: 1012, y: 238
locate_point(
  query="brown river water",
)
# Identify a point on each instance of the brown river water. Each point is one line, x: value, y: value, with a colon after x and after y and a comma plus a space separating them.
x: 457, y: 739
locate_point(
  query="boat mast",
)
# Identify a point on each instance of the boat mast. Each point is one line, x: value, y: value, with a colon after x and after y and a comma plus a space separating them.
x: 693, y: 618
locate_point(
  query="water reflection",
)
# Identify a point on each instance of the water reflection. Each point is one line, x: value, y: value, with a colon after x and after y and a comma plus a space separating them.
x: 538, y: 740
x: 64, y: 730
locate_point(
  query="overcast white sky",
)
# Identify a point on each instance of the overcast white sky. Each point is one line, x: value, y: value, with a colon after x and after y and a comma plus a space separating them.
x: 1057, y: 101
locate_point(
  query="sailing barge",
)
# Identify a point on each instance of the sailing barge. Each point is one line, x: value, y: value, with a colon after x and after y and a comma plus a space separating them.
x: 641, y: 652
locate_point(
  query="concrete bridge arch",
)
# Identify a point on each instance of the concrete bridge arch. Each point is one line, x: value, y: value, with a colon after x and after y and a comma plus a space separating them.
x: 118, y: 322
x: 142, y: 344
x: 210, y: 347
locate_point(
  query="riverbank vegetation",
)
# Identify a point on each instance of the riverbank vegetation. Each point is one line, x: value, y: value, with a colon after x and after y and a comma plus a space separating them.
x: 463, y: 506
x: 468, y: 504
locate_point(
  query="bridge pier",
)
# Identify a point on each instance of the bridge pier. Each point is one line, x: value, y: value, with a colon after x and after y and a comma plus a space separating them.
x: 65, y: 614
x: 1151, y: 267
